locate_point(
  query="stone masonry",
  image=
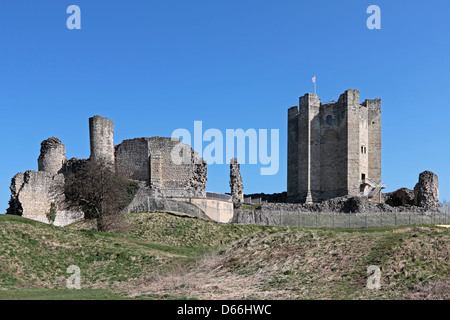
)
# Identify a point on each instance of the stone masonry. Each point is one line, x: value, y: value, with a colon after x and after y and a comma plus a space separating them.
x: 334, y: 148
x: 52, y: 157
x: 400, y: 197
x: 150, y: 160
x: 101, y: 131
x: 237, y: 188
x: 199, y: 175
x: 34, y: 192
x: 146, y: 160
x: 426, y: 191
x: 424, y: 199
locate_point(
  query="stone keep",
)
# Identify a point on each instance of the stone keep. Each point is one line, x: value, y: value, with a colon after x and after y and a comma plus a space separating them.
x: 333, y: 148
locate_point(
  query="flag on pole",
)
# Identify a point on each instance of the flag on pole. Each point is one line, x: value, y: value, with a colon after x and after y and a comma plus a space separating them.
x: 314, y: 81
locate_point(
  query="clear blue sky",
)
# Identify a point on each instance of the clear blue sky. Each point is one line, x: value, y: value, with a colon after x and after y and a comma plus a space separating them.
x: 155, y: 66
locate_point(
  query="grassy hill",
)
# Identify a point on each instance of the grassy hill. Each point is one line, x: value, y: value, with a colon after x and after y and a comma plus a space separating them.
x: 161, y: 256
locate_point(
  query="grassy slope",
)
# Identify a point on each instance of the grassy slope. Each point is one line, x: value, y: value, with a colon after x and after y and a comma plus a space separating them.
x: 317, y: 264
x: 164, y: 256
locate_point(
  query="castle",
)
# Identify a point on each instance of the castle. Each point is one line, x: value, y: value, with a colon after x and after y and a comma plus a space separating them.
x: 334, y: 151
x: 146, y: 160
x: 334, y: 148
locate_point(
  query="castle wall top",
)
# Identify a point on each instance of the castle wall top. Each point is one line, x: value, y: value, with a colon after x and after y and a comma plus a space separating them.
x: 349, y: 97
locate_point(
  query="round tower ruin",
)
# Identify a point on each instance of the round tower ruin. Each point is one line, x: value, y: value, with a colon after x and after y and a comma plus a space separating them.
x: 101, y: 131
x: 426, y: 191
x: 52, y: 157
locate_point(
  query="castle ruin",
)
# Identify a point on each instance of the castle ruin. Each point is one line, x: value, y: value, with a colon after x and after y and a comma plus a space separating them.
x: 146, y: 160
x: 334, y: 163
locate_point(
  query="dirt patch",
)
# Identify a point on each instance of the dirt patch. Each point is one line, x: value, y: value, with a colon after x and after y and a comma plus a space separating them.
x: 439, y: 290
x: 297, y: 265
x: 412, y: 230
x: 209, y: 279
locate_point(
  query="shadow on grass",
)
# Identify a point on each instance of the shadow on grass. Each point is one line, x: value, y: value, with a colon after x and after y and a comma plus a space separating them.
x: 61, y: 294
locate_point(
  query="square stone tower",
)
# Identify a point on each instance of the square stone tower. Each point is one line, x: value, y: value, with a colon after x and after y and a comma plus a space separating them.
x: 334, y: 148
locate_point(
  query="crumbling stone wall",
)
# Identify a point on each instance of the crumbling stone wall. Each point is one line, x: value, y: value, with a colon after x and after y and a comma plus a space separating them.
x: 199, y: 174
x: 15, y: 207
x: 237, y: 188
x: 53, y: 156
x: 174, y: 175
x: 151, y: 160
x: 426, y: 191
x: 132, y: 159
x: 71, y: 166
x: 401, y: 197
x: 147, y: 160
x: 424, y: 198
x: 32, y: 194
x: 346, y: 204
x: 273, y: 197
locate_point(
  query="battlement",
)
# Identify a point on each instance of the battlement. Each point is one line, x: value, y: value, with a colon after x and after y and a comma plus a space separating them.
x: 372, y: 104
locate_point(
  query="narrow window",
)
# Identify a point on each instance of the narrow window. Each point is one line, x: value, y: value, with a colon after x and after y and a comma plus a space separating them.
x: 329, y: 120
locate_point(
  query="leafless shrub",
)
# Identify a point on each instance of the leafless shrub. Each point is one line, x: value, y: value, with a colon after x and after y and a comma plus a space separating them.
x: 100, y: 193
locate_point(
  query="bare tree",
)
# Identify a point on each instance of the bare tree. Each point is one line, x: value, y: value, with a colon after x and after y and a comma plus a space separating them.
x: 99, y: 192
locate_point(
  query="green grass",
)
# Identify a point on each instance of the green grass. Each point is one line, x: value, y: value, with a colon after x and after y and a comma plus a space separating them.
x: 247, y: 206
x: 277, y: 262
x: 38, y: 255
x: 62, y: 294
x: 82, y: 294
x: 34, y: 255
x: 332, y: 264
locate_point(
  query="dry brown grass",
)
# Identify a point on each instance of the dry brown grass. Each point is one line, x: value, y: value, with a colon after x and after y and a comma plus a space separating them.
x: 208, y: 278
x: 309, y: 264
x: 439, y: 290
